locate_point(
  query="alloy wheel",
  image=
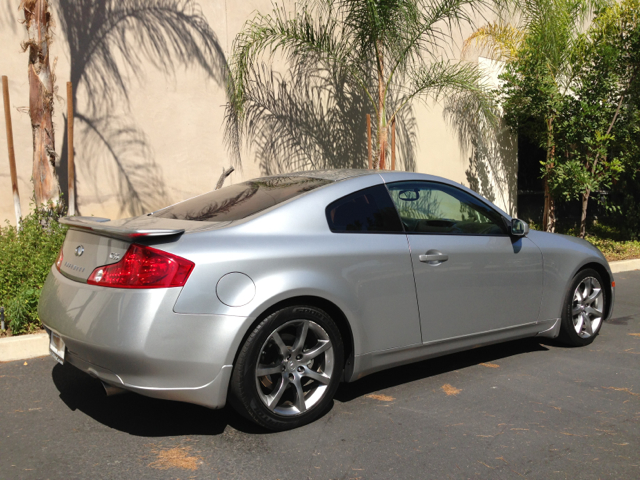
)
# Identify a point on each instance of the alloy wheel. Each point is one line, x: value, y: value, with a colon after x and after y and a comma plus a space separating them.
x: 294, y: 367
x: 587, y: 308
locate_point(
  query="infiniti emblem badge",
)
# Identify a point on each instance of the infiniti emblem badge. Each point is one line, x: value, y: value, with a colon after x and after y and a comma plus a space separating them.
x: 79, y: 250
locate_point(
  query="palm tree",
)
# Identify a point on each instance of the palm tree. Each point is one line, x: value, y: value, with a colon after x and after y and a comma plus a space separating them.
x: 381, y: 45
x: 37, y: 20
x: 536, y: 39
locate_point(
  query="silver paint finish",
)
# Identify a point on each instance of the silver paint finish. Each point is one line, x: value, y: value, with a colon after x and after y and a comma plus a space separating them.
x: 289, y: 252
x: 235, y: 289
x: 180, y: 344
x: 484, y: 282
x: 564, y: 256
x: 133, y: 338
x: 96, y: 251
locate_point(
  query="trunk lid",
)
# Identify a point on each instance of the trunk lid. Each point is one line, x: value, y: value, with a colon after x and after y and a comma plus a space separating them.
x: 93, y: 242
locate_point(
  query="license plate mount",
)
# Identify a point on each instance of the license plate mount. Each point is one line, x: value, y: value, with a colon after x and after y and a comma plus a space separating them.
x: 57, y: 348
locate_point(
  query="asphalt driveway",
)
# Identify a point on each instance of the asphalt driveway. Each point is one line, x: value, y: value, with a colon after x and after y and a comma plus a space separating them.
x: 521, y: 409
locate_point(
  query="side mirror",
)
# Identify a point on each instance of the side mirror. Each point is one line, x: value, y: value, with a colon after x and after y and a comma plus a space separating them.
x: 519, y: 228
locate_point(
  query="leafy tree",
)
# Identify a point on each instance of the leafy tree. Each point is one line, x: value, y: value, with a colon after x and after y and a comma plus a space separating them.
x: 600, y: 122
x: 537, y: 39
x: 381, y: 45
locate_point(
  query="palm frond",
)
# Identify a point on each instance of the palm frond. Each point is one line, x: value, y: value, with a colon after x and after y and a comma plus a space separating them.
x: 498, y: 40
x: 449, y: 78
x: 298, y: 36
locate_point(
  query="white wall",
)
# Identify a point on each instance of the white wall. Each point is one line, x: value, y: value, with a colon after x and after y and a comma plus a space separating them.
x: 163, y: 141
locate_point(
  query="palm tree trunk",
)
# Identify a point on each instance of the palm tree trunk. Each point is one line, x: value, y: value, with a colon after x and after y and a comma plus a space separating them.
x: 583, y: 216
x: 549, y: 215
x: 37, y: 21
x: 382, y: 127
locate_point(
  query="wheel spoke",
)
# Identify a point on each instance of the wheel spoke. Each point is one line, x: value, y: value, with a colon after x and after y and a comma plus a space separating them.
x: 264, y: 370
x: 587, y: 324
x: 300, y: 403
x: 576, y: 310
x: 301, y: 337
x: 578, y: 323
x: 321, y: 346
x: 273, y: 400
x: 284, y: 350
x: 593, y: 311
x: 578, y: 295
x: 316, y: 376
x: 594, y: 295
x: 294, y: 368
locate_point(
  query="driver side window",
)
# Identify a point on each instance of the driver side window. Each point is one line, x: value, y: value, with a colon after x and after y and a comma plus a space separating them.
x: 430, y: 207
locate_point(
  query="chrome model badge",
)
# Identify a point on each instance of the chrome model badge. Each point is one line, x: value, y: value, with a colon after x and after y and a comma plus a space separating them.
x: 79, y: 250
x: 114, y: 256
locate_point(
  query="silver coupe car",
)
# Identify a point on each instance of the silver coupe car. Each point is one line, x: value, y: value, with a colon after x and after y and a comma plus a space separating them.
x: 271, y: 292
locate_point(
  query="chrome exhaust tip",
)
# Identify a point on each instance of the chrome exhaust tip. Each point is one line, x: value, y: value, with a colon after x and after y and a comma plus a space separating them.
x: 110, y: 390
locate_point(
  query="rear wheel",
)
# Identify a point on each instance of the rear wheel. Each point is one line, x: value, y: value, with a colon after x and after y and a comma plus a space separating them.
x: 288, y: 368
x: 584, y: 308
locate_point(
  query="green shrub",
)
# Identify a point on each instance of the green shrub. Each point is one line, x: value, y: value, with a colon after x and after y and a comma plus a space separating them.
x: 21, y: 311
x: 26, y: 256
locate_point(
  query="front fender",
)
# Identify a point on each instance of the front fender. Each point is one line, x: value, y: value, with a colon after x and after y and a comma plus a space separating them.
x: 563, y: 257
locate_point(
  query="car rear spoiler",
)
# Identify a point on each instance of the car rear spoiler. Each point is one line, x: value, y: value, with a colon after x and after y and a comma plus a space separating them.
x: 96, y: 225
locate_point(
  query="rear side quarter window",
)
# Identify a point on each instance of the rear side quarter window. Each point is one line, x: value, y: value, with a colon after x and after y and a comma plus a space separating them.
x: 366, y: 211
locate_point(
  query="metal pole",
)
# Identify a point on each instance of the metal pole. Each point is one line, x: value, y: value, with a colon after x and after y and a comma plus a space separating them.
x: 393, y: 144
x: 12, y: 155
x: 71, y: 167
x: 369, y: 140
x: 3, y: 327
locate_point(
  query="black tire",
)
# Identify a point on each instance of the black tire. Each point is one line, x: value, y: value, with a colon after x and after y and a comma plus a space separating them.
x: 571, y: 322
x: 313, y: 368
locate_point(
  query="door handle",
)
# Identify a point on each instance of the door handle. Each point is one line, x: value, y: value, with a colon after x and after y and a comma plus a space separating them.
x: 434, y: 257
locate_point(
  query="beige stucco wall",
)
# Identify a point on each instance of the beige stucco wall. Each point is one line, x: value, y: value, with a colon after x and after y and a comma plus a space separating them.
x: 163, y: 141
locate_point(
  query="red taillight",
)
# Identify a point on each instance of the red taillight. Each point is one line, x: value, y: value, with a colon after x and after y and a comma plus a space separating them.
x: 143, y: 267
x: 59, y: 260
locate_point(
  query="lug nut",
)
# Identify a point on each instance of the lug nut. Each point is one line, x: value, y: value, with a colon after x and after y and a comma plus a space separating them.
x: 298, y: 357
x: 283, y: 369
x: 300, y: 369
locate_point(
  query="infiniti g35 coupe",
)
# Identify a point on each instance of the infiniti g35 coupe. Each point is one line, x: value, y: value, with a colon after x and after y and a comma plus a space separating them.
x: 269, y: 293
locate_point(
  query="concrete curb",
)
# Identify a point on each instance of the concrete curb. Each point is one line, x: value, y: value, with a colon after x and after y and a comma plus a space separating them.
x: 37, y: 345
x: 624, y: 265
x: 23, y: 347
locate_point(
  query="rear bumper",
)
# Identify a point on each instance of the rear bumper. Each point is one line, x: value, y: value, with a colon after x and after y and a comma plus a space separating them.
x: 134, y: 340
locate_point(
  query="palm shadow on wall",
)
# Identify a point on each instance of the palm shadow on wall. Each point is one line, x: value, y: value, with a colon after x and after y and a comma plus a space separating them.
x: 109, y: 41
x: 313, y: 118
x: 492, y: 172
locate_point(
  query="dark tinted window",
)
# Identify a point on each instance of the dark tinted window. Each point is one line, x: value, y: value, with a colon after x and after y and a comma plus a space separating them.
x: 430, y: 207
x: 239, y: 201
x: 369, y: 210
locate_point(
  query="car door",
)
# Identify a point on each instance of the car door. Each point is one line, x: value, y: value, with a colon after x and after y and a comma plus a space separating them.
x: 372, y: 253
x: 471, y: 276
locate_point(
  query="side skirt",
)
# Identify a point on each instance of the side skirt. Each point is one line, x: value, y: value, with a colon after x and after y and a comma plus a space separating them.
x: 376, y: 361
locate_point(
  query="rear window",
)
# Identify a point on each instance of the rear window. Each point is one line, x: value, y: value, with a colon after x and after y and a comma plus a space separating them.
x: 366, y: 211
x: 239, y: 201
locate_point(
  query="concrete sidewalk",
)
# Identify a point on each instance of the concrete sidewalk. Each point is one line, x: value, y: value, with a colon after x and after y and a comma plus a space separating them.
x: 37, y: 345
x: 23, y: 347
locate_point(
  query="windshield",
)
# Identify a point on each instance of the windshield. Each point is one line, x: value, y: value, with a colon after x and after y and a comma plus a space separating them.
x: 239, y: 201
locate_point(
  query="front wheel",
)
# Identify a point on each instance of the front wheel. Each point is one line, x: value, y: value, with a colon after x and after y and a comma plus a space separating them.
x: 584, y: 309
x: 288, y: 368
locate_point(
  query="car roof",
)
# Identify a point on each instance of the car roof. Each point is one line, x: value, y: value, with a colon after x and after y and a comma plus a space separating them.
x: 332, y: 175
x: 339, y: 174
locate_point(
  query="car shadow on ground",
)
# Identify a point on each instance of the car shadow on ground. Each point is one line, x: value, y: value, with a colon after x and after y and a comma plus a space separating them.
x: 139, y: 415
x: 148, y: 417
x: 437, y: 366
